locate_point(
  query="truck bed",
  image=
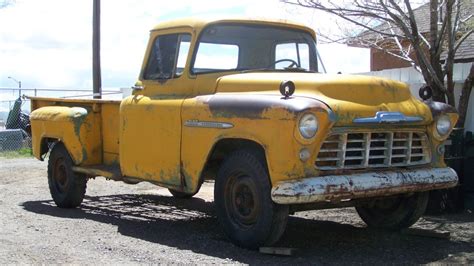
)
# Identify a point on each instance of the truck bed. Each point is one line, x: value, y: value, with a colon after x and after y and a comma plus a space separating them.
x: 98, y: 132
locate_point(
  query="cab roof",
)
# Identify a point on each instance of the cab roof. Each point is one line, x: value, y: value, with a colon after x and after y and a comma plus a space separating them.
x: 200, y: 23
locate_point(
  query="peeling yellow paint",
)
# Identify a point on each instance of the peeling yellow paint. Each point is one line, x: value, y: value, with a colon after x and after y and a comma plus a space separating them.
x: 145, y: 134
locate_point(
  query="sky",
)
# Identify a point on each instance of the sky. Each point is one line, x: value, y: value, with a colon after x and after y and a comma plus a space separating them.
x: 48, y: 43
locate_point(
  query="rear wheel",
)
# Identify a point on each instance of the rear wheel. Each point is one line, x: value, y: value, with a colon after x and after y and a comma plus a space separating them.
x: 67, y: 188
x: 394, y: 213
x: 244, y: 207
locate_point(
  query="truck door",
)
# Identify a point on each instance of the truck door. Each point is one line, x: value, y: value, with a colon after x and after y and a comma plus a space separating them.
x: 151, y: 124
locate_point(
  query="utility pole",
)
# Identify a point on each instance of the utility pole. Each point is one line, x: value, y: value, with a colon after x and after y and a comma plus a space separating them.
x: 96, y: 75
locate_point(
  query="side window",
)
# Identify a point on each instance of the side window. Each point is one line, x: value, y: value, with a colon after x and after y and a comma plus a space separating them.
x: 298, y: 52
x: 183, y: 50
x: 168, y: 56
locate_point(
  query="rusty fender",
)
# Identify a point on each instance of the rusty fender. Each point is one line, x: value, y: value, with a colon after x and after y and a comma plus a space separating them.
x: 254, y: 106
x: 363, y: 185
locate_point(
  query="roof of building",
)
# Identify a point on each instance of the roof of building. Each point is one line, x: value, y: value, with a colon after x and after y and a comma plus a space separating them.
x: 422, y: 18
x: 465, y: 51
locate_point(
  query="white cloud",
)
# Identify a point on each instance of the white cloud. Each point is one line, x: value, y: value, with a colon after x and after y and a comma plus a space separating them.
x: 48, y: 43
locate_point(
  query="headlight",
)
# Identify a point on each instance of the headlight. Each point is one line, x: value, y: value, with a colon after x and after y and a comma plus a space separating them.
x: 443, y: 125
x: 308, y: 126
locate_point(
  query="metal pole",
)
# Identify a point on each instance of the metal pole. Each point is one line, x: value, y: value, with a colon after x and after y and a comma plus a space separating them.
x: 19, y: 86
x: 96, y: 75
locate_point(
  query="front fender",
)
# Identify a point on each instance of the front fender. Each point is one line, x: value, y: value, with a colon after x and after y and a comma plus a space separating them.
x: 269, y: 120
x: 438, y: 109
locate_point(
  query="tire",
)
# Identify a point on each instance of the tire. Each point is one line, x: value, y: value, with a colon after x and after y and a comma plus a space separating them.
x: 181, y: 195
x: 244, y: 208
x: 66, y: 187
x: 394, y: 213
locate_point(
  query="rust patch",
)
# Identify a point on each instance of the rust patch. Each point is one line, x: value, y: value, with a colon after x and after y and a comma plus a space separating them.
x: 254, y: 106
x: 363, y: 185
x: 439, y: 108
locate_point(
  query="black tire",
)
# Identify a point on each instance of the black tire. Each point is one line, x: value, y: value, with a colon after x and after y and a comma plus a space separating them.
x: 181, y: 195
x: 394, y: 213
x: 243, y: 202
x: 67, y: 188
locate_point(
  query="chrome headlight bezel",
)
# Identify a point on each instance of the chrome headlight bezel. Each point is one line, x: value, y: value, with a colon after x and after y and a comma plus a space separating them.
x: 308, y: 126
x: 443, y: 125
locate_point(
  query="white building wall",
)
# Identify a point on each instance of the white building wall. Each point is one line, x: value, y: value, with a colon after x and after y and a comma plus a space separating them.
x: 415, y: 80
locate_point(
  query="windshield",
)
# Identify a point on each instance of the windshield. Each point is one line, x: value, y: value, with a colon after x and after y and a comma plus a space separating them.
x: 234, y: 47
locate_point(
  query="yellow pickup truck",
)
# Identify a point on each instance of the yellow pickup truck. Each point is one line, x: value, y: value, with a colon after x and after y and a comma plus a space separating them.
x: 241, y: 102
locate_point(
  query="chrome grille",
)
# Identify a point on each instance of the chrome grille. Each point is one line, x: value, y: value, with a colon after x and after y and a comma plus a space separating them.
x: 373, y: 150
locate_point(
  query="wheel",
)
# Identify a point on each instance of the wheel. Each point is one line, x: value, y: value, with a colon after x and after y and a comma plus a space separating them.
x: 67, y: 188
x: 181, y: 195
x: 244, y: 207
x: 394, y: 213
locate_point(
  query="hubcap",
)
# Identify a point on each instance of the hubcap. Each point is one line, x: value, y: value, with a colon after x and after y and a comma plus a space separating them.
x: 243, y: 205
x: 60, y: 174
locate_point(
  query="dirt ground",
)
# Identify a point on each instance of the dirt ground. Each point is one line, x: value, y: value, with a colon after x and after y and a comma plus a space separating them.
x: 120, y: 223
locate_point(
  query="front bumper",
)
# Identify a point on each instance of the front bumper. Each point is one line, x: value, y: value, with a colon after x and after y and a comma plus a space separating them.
x: 362, y: 185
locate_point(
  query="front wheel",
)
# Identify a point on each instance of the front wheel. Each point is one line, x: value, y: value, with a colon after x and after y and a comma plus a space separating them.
x: 67, y: 188
x: 244, y: 207
x: 394, y: 213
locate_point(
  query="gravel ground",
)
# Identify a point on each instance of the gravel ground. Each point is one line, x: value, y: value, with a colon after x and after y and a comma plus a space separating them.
x: 120, y: 223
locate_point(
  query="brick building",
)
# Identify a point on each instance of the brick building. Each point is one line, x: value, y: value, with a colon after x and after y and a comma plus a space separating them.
x: 380, y: 60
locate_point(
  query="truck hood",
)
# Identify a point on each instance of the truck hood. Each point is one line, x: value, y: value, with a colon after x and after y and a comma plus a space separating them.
x: 349, y: 96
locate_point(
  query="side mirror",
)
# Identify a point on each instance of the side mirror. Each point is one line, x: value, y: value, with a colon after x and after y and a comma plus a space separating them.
x: 138, y: 86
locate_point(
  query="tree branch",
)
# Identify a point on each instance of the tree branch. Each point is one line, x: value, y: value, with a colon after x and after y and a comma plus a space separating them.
x: 462, y: 39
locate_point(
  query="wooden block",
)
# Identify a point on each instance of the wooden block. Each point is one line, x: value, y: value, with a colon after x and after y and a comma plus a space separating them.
x: 277, y: 251
x: 426, y: 233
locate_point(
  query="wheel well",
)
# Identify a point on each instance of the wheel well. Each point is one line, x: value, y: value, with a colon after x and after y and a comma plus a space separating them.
x: 225, y: 147
x: 47, y: 144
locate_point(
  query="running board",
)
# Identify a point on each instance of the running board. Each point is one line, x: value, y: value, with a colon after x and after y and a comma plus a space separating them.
x: 108, y: 171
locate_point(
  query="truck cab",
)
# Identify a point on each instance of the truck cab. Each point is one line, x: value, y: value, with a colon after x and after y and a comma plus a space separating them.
x: 242, y: 102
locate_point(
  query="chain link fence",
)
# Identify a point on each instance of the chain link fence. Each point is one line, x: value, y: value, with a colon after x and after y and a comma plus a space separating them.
x: 15, y: 133
x: 15, y: 130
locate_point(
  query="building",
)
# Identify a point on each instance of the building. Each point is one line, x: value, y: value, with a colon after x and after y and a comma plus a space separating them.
x: 381, y: 60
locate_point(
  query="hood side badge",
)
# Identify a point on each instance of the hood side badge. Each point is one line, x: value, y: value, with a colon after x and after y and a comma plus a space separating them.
x: 387, y: 117
x: 207, y: 124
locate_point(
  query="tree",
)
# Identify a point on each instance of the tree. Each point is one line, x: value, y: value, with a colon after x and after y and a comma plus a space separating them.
x: 391, y: 26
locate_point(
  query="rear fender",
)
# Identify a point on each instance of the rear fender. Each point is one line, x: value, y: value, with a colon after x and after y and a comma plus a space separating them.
x: 77, y: 127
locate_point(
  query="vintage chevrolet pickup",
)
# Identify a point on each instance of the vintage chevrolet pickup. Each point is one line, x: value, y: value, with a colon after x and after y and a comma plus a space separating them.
x: 241, y: 102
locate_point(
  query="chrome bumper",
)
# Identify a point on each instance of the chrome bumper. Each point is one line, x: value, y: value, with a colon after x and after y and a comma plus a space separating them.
x: 363, y: 185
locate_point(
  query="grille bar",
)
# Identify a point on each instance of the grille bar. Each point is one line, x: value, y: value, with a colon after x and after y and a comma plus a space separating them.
x: 373, y: 150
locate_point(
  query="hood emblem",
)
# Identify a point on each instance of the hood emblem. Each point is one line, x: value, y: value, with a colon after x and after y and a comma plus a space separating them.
x: 287, y: 88
x: 387, y: 117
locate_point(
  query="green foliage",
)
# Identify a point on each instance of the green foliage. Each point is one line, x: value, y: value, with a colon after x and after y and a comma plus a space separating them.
x: 21, y: 153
